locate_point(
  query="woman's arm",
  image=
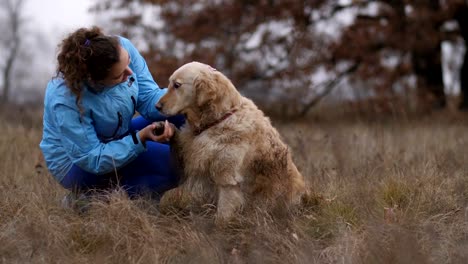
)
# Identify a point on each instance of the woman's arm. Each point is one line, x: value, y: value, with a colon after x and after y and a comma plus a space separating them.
x: 86, y: 150
x: 149, y: 92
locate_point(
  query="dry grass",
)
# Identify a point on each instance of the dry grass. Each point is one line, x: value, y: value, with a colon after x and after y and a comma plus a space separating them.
x: 393, y: 191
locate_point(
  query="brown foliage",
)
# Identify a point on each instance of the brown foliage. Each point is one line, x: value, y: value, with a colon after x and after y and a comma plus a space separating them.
x: 411, y: 32
x: 384, y: 47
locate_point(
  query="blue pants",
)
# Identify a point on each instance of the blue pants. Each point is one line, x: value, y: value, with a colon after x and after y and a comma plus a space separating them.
x: 153, y: 171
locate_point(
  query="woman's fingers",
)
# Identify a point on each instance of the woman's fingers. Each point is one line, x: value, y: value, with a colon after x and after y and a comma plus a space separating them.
x: 159, y: 132
x: 168, y: 131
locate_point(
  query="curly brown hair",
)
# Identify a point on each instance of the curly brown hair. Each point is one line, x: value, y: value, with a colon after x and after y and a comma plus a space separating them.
x: 86, y: 55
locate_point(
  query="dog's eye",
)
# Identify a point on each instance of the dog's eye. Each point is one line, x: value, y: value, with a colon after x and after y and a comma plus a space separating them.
x: 177, y: 85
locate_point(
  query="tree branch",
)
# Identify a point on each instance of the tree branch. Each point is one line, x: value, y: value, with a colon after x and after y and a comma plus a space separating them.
x: 328, y: 88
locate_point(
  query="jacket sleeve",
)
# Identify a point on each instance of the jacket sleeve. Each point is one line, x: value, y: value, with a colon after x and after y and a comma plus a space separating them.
x: 86, y: 150
x: 149, y: 92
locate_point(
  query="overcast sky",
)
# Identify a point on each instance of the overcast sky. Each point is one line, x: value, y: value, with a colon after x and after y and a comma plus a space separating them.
x: 58, y: 17
x: 51, y: 20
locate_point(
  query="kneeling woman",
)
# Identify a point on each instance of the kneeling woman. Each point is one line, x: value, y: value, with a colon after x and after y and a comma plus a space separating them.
x: 91, y: 140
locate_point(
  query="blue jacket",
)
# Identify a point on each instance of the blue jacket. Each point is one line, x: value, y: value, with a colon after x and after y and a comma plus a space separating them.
x: 98, y: 140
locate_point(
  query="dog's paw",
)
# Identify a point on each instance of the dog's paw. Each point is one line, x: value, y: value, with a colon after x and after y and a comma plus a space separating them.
x: 174, y: 199
x: 159, y: 130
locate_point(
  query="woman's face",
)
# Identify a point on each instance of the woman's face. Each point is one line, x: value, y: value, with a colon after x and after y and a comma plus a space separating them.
x: 120, y: 71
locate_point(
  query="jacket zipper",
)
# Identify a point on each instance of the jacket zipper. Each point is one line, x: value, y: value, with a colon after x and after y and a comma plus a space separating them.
x: 134, y: 104
x: 118, y: 125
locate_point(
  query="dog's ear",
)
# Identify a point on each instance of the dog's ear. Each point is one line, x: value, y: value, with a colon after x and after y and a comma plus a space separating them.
x: 205, y: 88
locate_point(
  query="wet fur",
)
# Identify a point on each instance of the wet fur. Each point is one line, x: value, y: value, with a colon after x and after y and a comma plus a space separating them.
x: 240, y: 162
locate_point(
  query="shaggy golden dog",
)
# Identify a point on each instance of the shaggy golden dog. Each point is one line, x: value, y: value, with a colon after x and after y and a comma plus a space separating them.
x: 229, y: 152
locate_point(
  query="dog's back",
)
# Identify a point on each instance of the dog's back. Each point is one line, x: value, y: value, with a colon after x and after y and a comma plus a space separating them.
x: 268, y: 167
x: 266, y: 174
x: 231, y: 154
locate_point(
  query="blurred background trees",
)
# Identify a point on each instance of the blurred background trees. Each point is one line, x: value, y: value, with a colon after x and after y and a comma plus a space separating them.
x: 10, y: 41
x: 294, y: 53
x: 267, y: 48
x: 24, y: 55
x: 290, y: 55
x: 400, y: 42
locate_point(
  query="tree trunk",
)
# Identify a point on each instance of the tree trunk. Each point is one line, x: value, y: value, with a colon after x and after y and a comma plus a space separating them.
x: 427, y: 58
x: 428, y: 69
x: 462, y: 18
x: 13, y: 9
x: 7, y: 74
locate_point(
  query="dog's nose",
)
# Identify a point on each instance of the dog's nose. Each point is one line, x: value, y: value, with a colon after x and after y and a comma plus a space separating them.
x: 159, y: 106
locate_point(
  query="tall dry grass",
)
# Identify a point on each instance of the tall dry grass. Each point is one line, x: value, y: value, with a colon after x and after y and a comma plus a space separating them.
x: 388, y: 191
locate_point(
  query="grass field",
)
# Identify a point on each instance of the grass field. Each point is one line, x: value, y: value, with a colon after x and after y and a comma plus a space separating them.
x: 387, y: 191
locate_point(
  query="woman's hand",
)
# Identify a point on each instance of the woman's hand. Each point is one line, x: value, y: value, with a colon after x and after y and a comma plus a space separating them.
x: 148, y: 134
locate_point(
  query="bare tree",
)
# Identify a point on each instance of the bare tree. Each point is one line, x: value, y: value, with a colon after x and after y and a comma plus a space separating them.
x: 11, y: 41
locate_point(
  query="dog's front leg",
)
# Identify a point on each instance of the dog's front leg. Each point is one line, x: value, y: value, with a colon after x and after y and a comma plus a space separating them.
x: 177, y: 159
x: 230, y: 199
x: 226, y: 175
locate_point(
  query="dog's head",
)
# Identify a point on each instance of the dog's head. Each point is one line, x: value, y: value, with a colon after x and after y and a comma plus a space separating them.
x: 193, y: 86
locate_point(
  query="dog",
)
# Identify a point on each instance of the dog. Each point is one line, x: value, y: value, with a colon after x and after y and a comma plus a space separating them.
x: 229, y: 152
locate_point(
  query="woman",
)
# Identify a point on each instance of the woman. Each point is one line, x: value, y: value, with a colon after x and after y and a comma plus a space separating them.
x: 90, y: 139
